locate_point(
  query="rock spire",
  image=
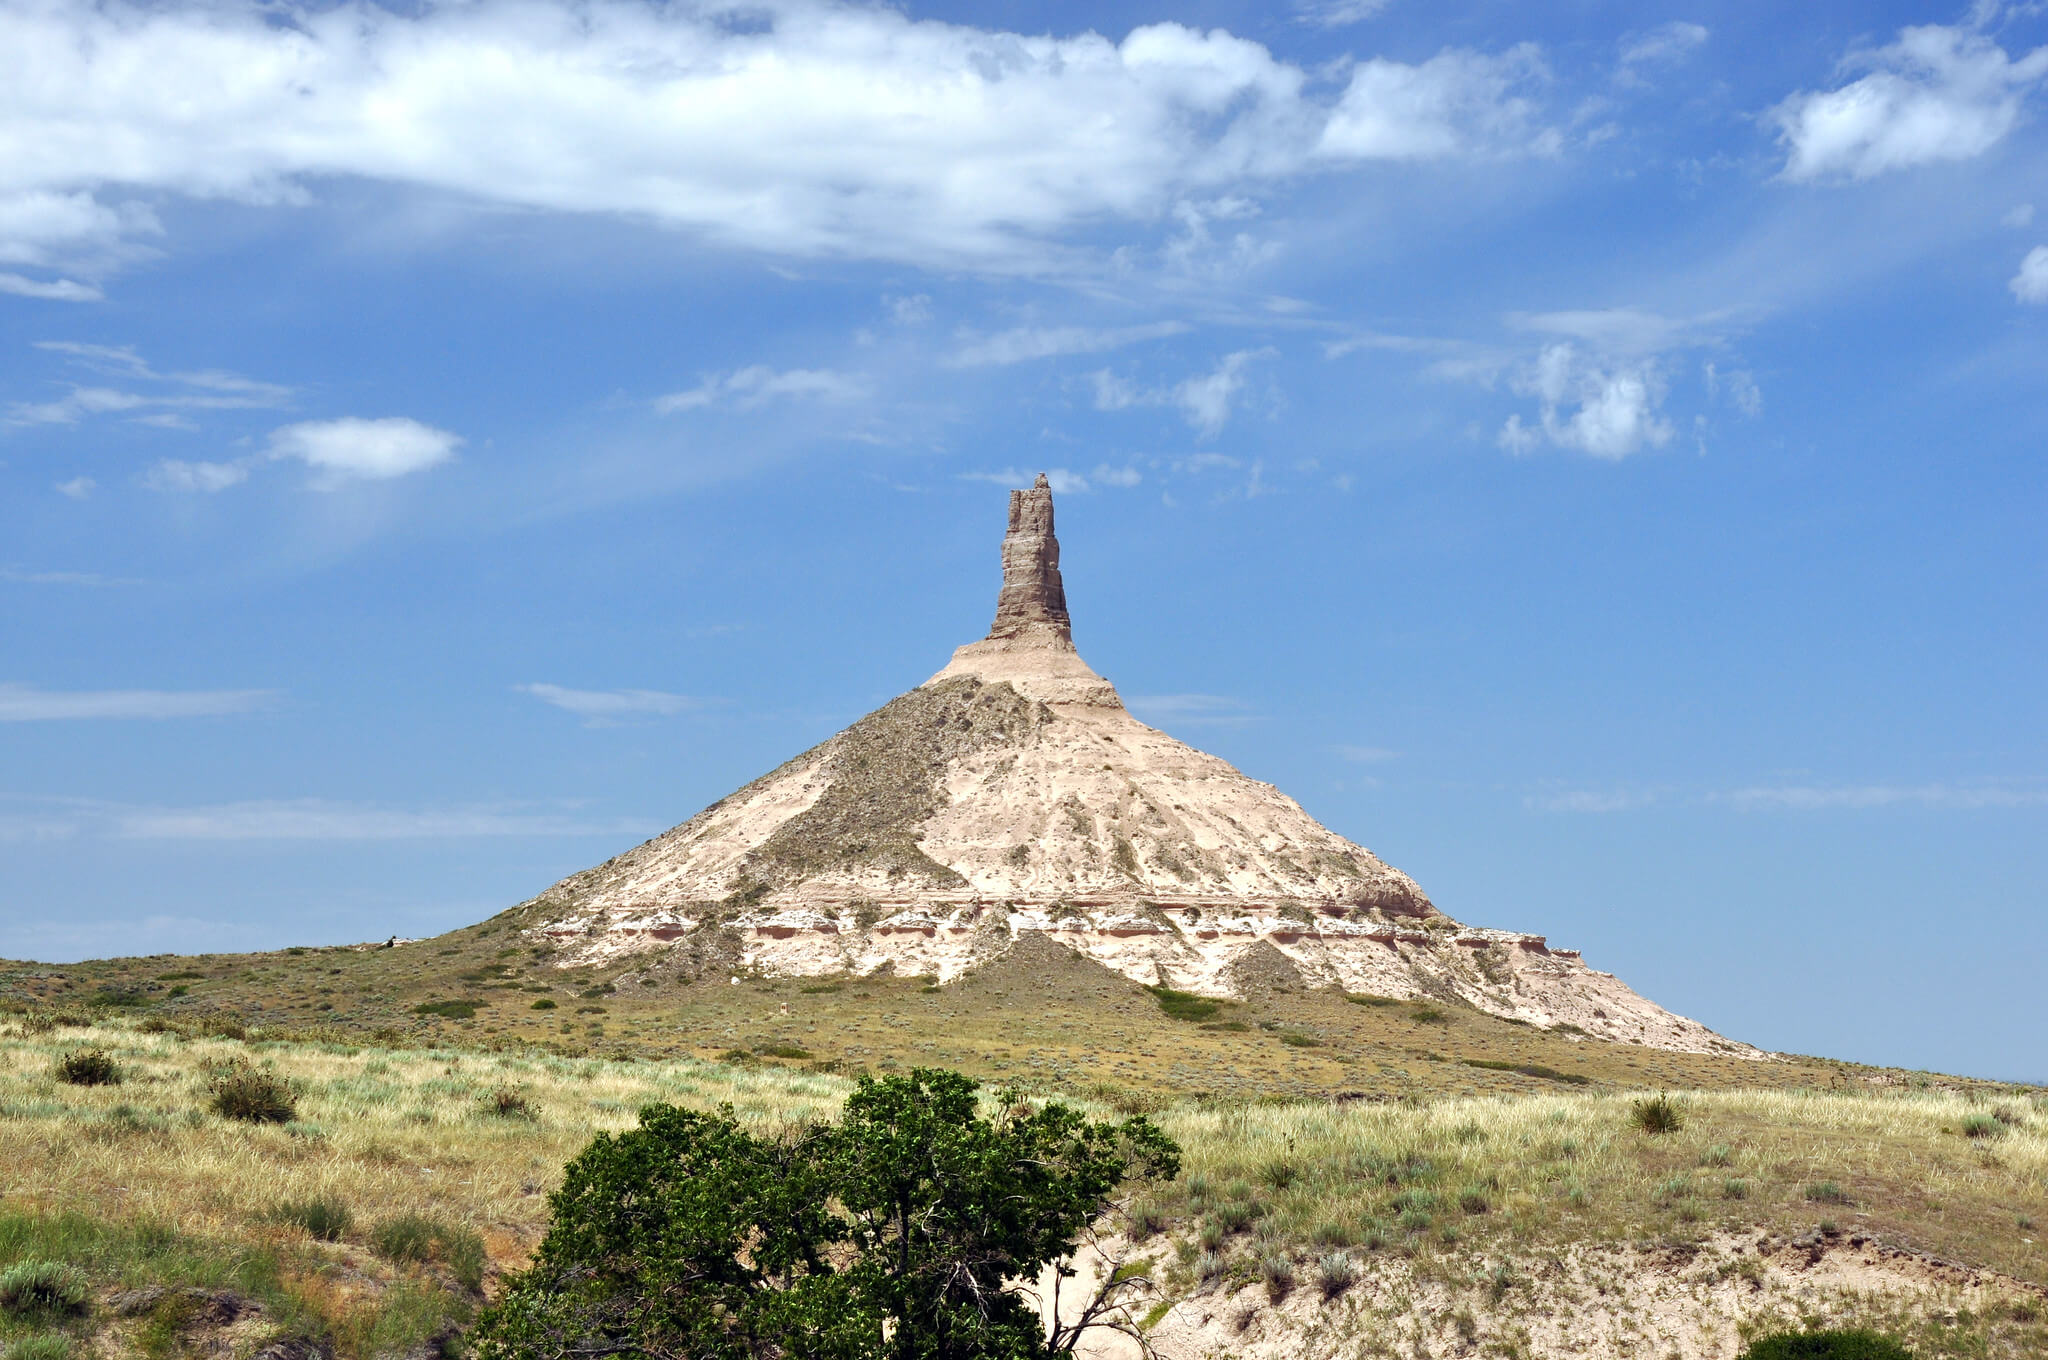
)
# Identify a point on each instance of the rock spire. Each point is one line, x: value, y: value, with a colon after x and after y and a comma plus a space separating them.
x: 1032, y: 598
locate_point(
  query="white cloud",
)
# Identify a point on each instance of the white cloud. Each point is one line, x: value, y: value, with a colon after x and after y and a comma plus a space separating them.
x: 78, y: 488
x: 2031, y: 283
x: 1337, y: 13
x: 1588, y: 800
x: 1205, y: 400
x: 1194, y: 709
x: 1617, y: 405
x: 1456, y: 103
x: 1062, y: 481
x: 1117, y: 476
x: 175, y: 474
x: 2021, y: 215
x: 748, y: 388
x: 367, y: 450
x: 1667, y: 42
x: 800, y: 127
x: 52, y: 290
x: 25, y: 703
x: 314, y: 819
x: 1937, y: 94
x: 1962, y: 797
x: 1740, y: 384
x: 177, y: 394
x: 1045, y: 342
x: 914, y: 310
x: 611, y: 705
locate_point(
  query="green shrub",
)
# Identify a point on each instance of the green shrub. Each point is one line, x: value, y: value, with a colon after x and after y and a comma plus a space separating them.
x: 781, y: 1048
x: 88, y: 1067
x: 507, y: 1103
x: 450, y: 1010
x: 1357, y: 999
x: 248, y: 1093
x: 1850, y: 1345
x: 1473, y: 1200
x: 546, y: 1003
x: 1529, y: 1070
x: 1278, y: 1174
x: 1429, y: 1015
x: 1657, y: 1114
x: 1982, y: 1126
x: 48, y: 1346
x: 36, y: 1288
x: 324, y: 1217
x: 1185, y: 1005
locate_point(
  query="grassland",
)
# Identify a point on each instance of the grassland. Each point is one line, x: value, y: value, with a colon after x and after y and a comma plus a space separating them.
x: 1464, y: 1220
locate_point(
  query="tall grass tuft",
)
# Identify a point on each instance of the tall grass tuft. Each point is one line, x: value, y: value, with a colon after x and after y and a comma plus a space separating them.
x: 418, y: 1238
x: 324, y: 1217
x: 1657, y: 1114
x: 37, y: 1288
x: 1335, y: 1273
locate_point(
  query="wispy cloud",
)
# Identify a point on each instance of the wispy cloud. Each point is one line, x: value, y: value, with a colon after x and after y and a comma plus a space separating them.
x: 1205, y: 400
x: 1195, y: 709
x: 748, y: 388
x: 299, y: 819
x: 2031, y: 283
x: 351, y: 449
x: 1046, y: 342
x: 600, y: 706
x: 26, y: 703
x: 174, y: 394
x: 1064, y: 481
x: 50, y: 290
x: 23, y: 576
x: 1368, y: 755
x: 1821, y: 797
x: 1591, y: 800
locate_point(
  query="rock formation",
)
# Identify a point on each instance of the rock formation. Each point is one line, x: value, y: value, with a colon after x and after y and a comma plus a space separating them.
x: 1013, y: 794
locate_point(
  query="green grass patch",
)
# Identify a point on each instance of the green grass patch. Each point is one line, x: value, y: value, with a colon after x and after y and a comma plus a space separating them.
x: 1186, y: 1005
x: 448, y: 1010
x: 1528, y: 1070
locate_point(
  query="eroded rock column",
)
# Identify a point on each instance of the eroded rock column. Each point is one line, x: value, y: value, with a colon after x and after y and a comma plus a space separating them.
x: 1032, y: 599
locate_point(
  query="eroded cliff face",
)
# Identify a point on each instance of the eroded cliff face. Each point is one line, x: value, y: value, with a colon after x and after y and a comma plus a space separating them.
x: 1013, y: 794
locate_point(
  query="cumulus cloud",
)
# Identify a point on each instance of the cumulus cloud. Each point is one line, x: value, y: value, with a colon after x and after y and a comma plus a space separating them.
x: 1205, y: 401
x: 354, y: 449
x: 1606, y: 410
x: 26, y: 703
x: 2031, y: 283
x: 1456, y: 103
x: 604, y: 706
x: 1024, y: 343
x: 748, y: 388
x: 1937, y: 94
x: 807, y: 127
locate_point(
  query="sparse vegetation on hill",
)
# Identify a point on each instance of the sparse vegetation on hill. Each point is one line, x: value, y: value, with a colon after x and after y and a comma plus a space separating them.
x: 1499, y: 1208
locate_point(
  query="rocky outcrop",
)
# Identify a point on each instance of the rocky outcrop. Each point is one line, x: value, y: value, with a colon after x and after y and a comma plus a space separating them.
x: 1012, y: 796
x: 1033, y: 598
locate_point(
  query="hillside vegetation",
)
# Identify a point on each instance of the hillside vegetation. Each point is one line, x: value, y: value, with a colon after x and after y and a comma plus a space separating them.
x: 373, y: 1214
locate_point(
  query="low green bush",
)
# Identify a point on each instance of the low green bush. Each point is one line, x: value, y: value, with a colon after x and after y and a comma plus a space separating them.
x: 1828, y: 1192
x: 448, y: 1010
x: 1185, y: 1005
x: 89, y: 1067
x: 546, y: 1003
x: 47, y: 1346
x: 1832, y: 1345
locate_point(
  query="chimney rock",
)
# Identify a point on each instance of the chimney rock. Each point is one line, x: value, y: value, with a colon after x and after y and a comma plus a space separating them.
x: 1032, y: 599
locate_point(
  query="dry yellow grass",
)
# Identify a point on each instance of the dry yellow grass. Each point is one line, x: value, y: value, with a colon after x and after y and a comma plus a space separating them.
x: 391, y: 1132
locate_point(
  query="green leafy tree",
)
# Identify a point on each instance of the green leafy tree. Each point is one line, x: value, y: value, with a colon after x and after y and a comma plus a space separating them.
x: 909, y: 1231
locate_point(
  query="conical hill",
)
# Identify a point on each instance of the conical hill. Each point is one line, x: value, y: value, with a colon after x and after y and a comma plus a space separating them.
x: 1012, y: 796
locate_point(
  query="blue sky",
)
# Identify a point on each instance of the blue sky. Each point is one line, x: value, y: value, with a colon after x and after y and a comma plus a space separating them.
x: 1591, y: 454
